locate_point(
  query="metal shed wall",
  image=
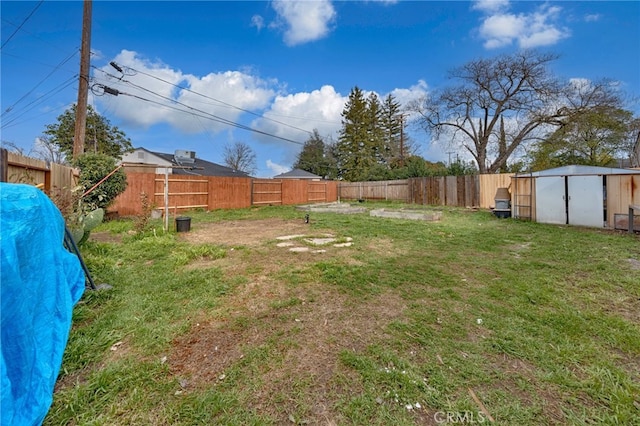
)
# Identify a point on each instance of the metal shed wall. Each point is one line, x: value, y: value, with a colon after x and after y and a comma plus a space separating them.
x: 622, y: 189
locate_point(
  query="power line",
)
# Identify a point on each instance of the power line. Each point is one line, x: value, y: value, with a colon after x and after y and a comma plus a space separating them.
x: 23, y: 22
x: 207, y: 97
x: 11, y: 107
x: 200, y: 113
x: 39, y: 100
x: 35, y: 36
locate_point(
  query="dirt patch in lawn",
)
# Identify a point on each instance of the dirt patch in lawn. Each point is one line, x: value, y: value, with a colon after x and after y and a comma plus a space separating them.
x: 244, y: 232
x: 303, y: 330
x: 301, y: 325
x: 105, y: 237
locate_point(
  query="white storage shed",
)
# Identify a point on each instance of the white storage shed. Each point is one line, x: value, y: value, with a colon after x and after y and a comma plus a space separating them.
x: 576, y: 195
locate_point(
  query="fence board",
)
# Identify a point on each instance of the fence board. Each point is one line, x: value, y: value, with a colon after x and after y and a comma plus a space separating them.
x: 294, y: 191
x: 57, y: 180
x: 462, y: 191
x: 523, y: 203
x: 129, y: 202
x: 266, y: 192
x: 622, y: 190
x: 229, y: 193
x: 489, y: 184
x: 451, y: 190
x: 317, y: 192
x: 26, y: 170
x: 379, y: 190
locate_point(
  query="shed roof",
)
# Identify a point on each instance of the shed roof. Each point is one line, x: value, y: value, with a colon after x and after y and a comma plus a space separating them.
x: 578, y: 170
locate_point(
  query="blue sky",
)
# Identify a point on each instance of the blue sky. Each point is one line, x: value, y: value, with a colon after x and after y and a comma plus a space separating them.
x: 282, y: 68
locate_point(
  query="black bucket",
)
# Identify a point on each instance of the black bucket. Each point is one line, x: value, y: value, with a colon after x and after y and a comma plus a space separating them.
x: 183, y: 224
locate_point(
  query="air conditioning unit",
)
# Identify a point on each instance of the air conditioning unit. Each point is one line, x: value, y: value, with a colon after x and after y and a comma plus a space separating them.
x: 182, y: 156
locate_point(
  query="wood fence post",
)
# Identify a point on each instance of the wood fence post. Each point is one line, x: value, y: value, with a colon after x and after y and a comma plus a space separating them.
x: 4, y: 164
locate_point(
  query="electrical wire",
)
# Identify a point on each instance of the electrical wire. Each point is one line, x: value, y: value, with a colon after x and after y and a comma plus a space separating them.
x: 35, y: 36
x: 64, y: 61
x: 194, y: 112
x: 12, y: 121
x: 96, y: 87
x: 20, y: 26
x: 125, y: 69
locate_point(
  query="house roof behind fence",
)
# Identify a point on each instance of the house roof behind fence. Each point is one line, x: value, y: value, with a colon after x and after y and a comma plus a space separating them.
x: 297, y: 174
x: 200, y: 167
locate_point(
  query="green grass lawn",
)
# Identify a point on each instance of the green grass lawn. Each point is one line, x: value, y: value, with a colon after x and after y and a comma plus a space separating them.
x: 463, y: 320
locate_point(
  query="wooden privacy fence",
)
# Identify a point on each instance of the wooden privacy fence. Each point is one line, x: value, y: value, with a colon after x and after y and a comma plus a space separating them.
x: 209, y: 192
x: 446, y: 191
x: 397, y: 190
x: 56, y: 180
x: 462, y: 191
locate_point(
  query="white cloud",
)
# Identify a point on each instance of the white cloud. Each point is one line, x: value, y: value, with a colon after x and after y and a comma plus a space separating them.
x: 417, y: 91
x: 210, y: 103
x: 305, y: 21
x: 501, y: 30
x: 276, y: 168
x: 257, y: 21
x: 320, y: 109
x: 527, y: 30
x: 592, y: 18
x: 385, y: 2
x: 164, y: 99
x: 490, y: 5
x: 243, y: 91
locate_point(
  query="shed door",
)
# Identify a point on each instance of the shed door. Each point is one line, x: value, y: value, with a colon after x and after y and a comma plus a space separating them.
x: 586, y: 201
x: 550, y: 200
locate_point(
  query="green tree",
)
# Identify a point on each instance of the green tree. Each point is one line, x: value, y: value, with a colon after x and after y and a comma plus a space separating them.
x: 461, y: 168
x: 396, y: 149
x: 375, y: 143
x: 101, y: 137
x: 353, y: 152
x: 413, y: 166
x: 94, y: 168
x: 315, y: 157
x: 594, y: 137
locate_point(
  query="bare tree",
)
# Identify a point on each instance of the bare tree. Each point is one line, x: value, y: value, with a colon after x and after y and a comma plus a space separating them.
x: 43, y: 149
x: 497, y: 105
x: 12, y: 147
x: 46, y: 150
x: 240, y: 156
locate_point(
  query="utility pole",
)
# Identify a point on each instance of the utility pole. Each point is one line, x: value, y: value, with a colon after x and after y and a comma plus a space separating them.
x: 450, y: 152
x: 83, y: 82
x: 401, y: 140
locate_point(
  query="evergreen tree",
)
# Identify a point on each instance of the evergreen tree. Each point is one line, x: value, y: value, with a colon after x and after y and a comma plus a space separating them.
x: 392, y: 124
x: 351, y: 150
x: 375, y: 134
x: 316, y: 157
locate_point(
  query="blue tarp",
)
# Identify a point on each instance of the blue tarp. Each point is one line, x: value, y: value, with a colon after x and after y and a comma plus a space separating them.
x: 41, y: 282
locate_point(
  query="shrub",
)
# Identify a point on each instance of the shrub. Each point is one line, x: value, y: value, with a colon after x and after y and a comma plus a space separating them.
x: 94, y: 168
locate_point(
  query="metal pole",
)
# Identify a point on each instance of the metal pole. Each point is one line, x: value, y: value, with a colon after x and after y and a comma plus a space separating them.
x: 166, y: 199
